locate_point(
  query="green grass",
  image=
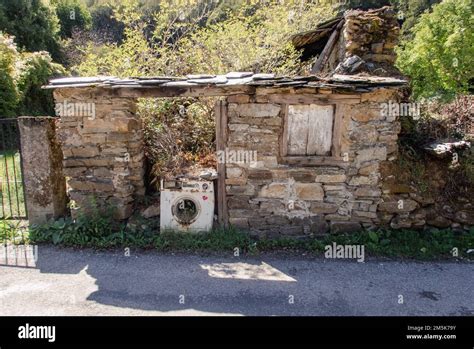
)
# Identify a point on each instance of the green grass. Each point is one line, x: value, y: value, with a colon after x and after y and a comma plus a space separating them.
x: 14, y: 231
x: 12, y: 200
x: 100, y: 233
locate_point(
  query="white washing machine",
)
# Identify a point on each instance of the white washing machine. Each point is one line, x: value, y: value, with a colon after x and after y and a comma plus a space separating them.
x: 187, y: 205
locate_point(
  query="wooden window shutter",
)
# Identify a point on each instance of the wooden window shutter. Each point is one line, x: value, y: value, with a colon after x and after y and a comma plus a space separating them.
x: 310, y: 128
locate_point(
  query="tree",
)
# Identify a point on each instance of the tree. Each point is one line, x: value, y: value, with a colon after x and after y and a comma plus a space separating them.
x: 439, y: 59
x: 21, y: 76
x: 8, y: 92
x: 36, y: 69
x: 410, y: 11
x: 33, y: 23
x: 72, y: 15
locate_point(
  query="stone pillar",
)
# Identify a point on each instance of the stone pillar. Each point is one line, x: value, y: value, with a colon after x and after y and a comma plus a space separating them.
x: 45, y: 187
x: 102, y: 142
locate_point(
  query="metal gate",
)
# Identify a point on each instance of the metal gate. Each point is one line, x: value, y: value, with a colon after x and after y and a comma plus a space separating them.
x: 12, y: 194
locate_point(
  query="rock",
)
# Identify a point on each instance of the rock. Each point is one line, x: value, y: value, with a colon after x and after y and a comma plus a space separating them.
x: 91, y: 185
x: 377, y: 47
x: 291, y: 230
x: 369, y: 154
x: 363, y: 180
x: 464, y: 217
x: 260, y: 174
x: 446, y: 149
x: 272, y: 206
x: 316, y: 225
x: 255, y: 110
x: 364, y: 114
x: 364, y: 214
x: 402, y: 205
x: 439, y: 222
x: 422, y: 200
x: 123, y: 211
x: 344, y: 227
x: 364, y: 191
x: 277, y: 220
x: 401, y: 223
x: 239, y: 202
x: 151, y: 211
x: 273, y: 190
x: 323, y: 207
x: 369, y: 169
x: 241, y: 223
x: 236, y: 181
x: 336, y: 178
x: 350, y: 64
x: 365, y: 133
x: 85, y: 152
x: 309, y: 191
x: 303, y: 176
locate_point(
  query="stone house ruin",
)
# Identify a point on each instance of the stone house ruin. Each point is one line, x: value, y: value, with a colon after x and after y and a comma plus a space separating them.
x: 320, y: 140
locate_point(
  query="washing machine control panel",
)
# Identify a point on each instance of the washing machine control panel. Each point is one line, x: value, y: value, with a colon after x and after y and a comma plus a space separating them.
x: 189, y: 185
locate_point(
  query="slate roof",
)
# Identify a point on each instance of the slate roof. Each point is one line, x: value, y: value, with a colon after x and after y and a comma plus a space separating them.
x: 349, y: 82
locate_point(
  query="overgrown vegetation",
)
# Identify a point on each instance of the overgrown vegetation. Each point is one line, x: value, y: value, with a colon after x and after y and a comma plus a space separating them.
x: 33, y: 23
x: 100, y: 232
x: 149, y: 38
x: 439, y: 59
x: 445, y: 178
x: 196, y: 37
x: 179, y: 133
x: 21, y: 75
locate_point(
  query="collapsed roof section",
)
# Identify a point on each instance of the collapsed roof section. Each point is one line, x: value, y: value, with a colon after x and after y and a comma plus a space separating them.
x: 359, y: 41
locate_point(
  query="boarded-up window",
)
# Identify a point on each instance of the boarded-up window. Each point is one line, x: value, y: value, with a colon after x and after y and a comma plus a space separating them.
x: 309, y: 129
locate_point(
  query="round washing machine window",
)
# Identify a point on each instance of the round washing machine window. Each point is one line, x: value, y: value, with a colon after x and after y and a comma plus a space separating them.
x: 185, y: 210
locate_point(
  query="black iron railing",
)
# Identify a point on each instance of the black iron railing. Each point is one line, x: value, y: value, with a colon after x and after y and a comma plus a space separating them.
x: 12, y: 194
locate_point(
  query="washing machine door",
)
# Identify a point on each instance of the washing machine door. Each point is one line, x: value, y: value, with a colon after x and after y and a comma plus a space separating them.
x: 185, y: 210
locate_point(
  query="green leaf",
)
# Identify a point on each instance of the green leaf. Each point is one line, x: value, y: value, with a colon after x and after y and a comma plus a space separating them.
x: 373, y: 236
x: 57, y: 238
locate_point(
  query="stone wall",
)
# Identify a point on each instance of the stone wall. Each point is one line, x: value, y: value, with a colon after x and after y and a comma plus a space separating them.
x: 273, y: 198
x: 102, y: 142
x: 45, y: 188
x: 371, y: 35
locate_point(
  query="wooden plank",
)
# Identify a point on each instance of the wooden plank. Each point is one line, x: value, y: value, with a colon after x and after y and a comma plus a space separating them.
x: 337, y: 130
x: 284, y: 136
x: 323, y: 57
x: 309, y: 98
x: 297, y: 129
x: 320, y: 128
x: 221, y: 140
x: 307, y: 161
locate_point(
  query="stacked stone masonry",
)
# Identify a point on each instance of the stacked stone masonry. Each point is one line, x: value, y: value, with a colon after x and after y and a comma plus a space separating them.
x: 371, y: 35
x: 273, y: 198
x: 102, y: 146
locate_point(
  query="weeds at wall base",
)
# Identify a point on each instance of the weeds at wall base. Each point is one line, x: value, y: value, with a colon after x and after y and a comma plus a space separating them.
x: 423, y: 245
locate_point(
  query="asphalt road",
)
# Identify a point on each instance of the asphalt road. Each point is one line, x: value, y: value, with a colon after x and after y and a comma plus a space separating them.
x: 86, y: 282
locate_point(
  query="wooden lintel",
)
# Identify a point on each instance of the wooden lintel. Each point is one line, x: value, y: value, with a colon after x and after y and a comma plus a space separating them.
x: 306, y: 161
x: 312, y: 98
